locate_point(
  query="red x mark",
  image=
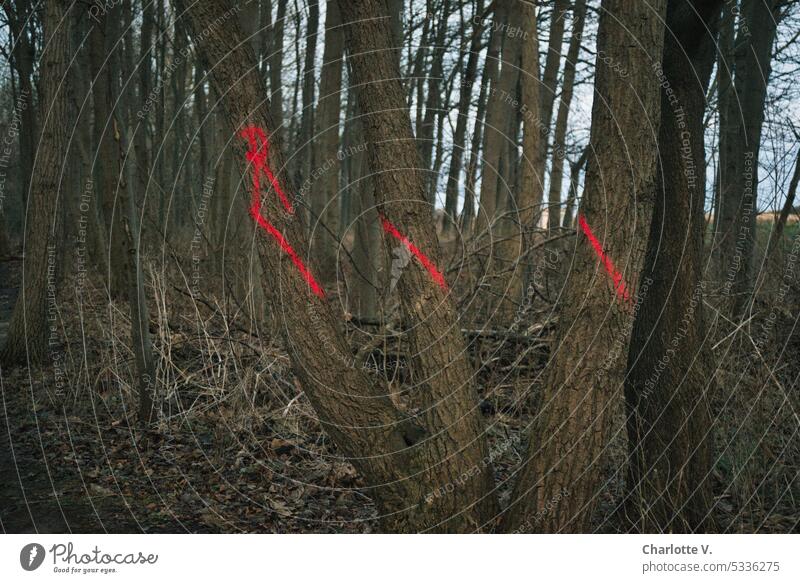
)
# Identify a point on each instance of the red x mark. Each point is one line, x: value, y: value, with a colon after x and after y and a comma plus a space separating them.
x: 259, y: 148
x: 619, y: 283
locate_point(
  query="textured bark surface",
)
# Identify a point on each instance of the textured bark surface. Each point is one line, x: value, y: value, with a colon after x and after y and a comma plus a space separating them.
x: 445, y: 384
x: 584, y: 375
x: 402, y: 464
x: 670, y: 362
x: 26, y: 339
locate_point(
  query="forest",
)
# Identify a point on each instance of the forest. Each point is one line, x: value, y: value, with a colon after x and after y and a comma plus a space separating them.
x: 405, y: 266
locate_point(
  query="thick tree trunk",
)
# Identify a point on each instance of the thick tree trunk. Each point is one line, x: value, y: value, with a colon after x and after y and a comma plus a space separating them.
x: 670, y: 371
x: 26, y: 341
x: 560, y: 136
x: 446, y: 390
x: 386, y: 445
x: 585, y: 374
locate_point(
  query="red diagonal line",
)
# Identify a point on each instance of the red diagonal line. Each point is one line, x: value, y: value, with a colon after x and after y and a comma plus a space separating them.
x: 423, y: 259
x: 287, y: 248
x: 619, y: 283
x: 257, y: 156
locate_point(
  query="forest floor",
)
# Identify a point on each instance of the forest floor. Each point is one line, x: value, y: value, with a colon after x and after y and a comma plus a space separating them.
x: 237, y: 447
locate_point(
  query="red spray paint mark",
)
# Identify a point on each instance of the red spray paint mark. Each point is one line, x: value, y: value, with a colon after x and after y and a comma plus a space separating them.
x: 259, y: 147
x: 619, y: 283
x: 423, y: 259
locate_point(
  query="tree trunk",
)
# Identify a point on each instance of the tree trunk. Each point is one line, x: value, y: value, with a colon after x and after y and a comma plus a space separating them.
x: 325, y: 193
x: 742, y: 131
x: 276, y: 68
x: 524, y: 209
x: 26, y: 341
x: 585, y: 375
x: 384, y: 444
x: 433, y: 103
x: 23, y: 59
x: 446, y: 392
x: 574, y: 180
x: 560, y: 136
x: 669, y: 422
x: 105, y: 63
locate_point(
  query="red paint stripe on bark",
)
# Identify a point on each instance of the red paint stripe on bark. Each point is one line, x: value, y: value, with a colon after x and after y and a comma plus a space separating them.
x: 437, y: 276
x: 257, y: 156
x: 619, y: 283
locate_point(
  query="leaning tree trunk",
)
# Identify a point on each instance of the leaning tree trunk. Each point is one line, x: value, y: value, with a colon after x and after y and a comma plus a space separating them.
x: 404, y: 463
x: 585, y: 375
x: 669, y: 423
x: 446, y: 391
x: 27, y: 332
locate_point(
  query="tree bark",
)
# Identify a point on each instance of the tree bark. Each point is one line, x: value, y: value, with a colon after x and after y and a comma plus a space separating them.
x: 488, y: 79
x: 670, y: 371
x: 26, y: 341
x: 385, y: 444
x: 23, y: 55
x: 446, y: 391
x: 307, y: 116
x: 585, y: 374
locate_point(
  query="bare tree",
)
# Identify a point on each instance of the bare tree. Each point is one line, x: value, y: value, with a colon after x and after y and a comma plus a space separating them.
x: 669, y: 419
x: 27, y: 332
x: 403, y: 462
x: 585, y: 375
